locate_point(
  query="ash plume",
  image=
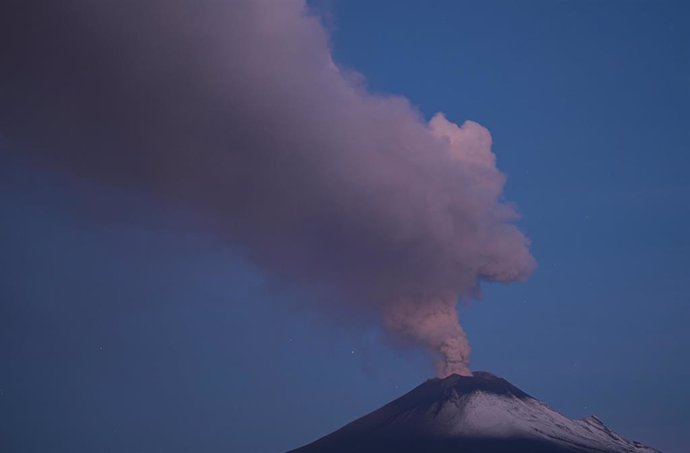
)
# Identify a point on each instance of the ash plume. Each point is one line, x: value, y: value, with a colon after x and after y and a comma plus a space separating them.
x: 237, y: 110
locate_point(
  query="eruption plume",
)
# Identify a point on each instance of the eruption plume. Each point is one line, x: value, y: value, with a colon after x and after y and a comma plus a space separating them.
x: 237, y: 110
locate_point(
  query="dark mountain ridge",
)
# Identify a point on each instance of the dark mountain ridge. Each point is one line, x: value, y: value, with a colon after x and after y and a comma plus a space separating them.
x: 462, y: 414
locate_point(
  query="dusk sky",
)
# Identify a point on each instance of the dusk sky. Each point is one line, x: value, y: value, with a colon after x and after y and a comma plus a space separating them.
x: 131, y: 320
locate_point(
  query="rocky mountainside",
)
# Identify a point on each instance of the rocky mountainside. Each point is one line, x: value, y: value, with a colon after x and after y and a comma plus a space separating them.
x: 481, y: 413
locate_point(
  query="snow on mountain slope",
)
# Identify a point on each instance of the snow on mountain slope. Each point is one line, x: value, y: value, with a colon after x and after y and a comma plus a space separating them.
x: 481, y: 413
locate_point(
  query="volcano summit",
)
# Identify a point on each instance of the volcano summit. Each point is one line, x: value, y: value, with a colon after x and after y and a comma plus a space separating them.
x: 479, y: 413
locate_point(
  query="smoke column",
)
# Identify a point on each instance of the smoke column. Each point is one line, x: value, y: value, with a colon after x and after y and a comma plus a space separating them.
x: 237, y: 110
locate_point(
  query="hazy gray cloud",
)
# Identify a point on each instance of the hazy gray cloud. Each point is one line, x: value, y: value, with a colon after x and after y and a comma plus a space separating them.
x: 237, y: 110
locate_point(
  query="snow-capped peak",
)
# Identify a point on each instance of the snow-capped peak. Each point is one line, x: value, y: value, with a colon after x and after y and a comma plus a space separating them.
x: 473, y: 413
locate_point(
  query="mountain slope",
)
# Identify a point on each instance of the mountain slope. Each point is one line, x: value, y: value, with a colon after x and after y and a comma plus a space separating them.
x: 481, y: 413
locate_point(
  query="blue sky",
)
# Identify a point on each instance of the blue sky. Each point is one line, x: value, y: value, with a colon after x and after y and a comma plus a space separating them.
x: 139, y: 333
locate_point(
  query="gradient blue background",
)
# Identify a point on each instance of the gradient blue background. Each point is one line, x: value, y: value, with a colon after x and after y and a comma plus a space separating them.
x: 124, y: 329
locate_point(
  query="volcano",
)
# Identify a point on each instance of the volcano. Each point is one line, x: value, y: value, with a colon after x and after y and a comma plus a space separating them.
x: 471, y: 414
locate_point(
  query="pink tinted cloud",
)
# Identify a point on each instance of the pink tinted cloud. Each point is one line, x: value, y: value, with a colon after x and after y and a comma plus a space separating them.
x: 238, y: 111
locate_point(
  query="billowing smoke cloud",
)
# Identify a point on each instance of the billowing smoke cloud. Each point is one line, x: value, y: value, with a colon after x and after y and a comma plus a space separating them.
x: 236, y: 109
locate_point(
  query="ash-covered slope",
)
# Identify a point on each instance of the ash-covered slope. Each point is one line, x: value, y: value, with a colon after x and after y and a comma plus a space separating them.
x: 460, y: 414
